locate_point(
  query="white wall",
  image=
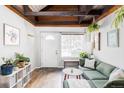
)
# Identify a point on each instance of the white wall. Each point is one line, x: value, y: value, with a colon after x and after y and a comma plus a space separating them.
x: 114, y: 56
x: 26, y: 43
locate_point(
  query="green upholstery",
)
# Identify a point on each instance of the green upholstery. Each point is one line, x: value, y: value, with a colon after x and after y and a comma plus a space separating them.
x: 104, y: 68
x: 94, y: 75
x: 97, y: 62
x: 85, y: 69
x: 98, y: 77
x: 99, y: 83
x: 91, y: 84
x: 114, y: 84
x: 65, y: 84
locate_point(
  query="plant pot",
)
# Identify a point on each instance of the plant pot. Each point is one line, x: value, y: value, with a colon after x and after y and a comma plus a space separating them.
x: 21, y: 64
x: 82, y: 61
x: 6, y: 69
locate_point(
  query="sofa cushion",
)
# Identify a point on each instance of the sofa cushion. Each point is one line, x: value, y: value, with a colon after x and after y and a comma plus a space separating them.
x: 99, y: 83
x: 85, y: 68
x: 104, y: 68
x: 95, y: 75
x: 66, y: 84
x: 97, y: 62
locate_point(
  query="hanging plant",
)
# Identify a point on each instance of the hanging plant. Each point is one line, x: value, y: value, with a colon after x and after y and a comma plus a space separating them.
x: 93, y: 27
x: 119, y: 18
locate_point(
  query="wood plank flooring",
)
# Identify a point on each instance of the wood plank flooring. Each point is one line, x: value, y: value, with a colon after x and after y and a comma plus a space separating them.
x: 46, y: 78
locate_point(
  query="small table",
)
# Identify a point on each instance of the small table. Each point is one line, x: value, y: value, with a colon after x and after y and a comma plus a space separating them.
x: 72, y: 72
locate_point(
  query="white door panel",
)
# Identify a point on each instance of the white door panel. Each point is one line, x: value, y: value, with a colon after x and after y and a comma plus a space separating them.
x: 51, y: 49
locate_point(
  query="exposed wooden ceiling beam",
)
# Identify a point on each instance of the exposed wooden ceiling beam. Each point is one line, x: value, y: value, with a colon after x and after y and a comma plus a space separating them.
x: 62, y: 22
x: 57, y: 22
x: 70, y: 25
x: 85, y: 9
x: 46, y: 8
x: 105, y: 13
x: 58, y: 13
x: 109, y: 11
x: 16, y: 7
x: 26, y: 8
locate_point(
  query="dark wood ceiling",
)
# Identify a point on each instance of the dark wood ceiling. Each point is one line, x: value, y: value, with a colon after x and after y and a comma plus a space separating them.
x: 63, y: 14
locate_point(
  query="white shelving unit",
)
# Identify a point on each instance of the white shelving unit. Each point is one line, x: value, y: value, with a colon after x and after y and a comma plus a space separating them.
x: 18, y: 79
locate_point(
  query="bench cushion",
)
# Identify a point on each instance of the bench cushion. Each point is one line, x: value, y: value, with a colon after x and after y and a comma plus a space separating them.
x: 99, y: 83
x: 76, y: 83
x: 95, y: 75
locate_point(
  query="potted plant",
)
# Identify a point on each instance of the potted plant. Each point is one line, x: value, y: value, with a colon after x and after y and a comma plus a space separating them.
x: 93, y: 27
x: 7, y: 68
x: 118, y: 18
x: 20, y: 60
x: 83, y: 54
x: 27, y: 60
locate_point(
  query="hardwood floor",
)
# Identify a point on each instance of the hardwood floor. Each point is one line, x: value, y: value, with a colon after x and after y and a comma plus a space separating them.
x: 46, y: 78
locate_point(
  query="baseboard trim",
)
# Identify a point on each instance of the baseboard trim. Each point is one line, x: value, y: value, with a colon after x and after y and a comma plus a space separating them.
x: 53, y: 67
x: 59, y: 67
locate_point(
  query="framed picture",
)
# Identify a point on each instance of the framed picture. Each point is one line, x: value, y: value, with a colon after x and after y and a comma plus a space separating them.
x: 113, y: 38
x: 98, y: 41
x: 11, y: 35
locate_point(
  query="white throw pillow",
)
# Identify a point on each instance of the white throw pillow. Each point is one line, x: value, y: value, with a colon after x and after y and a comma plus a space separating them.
x: 90, y: 63
x: 116, y: 75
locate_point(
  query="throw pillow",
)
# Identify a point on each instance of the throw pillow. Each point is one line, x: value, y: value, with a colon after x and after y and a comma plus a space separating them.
x: 90, y: 63
x: 116, y: 75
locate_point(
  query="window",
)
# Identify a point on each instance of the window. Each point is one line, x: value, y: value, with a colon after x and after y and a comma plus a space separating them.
x: 71, y: 45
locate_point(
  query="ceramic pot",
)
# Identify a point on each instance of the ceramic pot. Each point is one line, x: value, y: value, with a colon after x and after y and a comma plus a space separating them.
x: 6, y: 69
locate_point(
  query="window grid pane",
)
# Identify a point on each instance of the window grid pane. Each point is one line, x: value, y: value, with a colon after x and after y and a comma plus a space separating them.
x: 71, y: 45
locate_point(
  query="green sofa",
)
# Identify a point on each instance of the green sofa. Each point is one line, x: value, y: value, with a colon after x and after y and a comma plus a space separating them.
x: 98, y: 77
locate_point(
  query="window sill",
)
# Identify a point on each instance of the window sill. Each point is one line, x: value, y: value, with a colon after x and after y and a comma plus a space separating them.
x: 70, y: 58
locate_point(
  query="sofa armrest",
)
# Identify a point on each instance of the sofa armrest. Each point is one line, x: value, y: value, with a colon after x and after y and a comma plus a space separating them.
x: 114, y: 84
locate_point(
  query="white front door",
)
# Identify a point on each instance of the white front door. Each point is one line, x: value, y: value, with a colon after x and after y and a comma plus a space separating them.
x: 50, y: 44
